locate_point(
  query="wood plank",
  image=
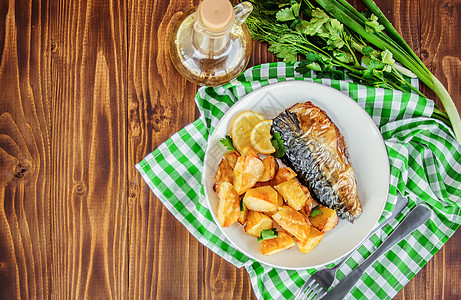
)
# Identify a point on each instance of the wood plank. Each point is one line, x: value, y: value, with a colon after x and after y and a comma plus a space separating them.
x: 165, y: 260
x: 89, y: 170
x: 25, y: 161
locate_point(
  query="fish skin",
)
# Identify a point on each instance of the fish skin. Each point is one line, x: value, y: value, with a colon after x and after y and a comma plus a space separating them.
x: 302, y: 160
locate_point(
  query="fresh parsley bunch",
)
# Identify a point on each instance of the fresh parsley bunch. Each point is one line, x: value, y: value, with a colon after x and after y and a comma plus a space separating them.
x: 335, y: 39
x: 294, y: 28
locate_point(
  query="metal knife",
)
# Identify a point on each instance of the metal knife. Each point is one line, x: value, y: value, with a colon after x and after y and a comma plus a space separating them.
x: 419, y: 215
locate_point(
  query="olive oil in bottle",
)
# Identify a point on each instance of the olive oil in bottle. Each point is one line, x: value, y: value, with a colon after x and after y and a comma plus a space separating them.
x: 210, y: 44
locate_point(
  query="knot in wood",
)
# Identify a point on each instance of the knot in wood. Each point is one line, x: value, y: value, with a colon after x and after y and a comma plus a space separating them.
x: 448, y: 8
x: 160, y: 116
x: 424, y: 54
x: 21, y: 169
x: 218, y: 286
x: 133, y: 189
x: 80, y: 189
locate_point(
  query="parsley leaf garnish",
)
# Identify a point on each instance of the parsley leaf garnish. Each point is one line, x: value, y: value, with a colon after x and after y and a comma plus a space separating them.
x: 288, y: 13
x: 242, y: 206
x: 285, y: 52
x: 388, y: 60
x: 315, y: 25
x: 227, y: 142
x: 372, y: 25
x: 316, y: 211
x: 267, y: 234
x: 343, y: 56
x: 335, y: 30
x: 277, y: 142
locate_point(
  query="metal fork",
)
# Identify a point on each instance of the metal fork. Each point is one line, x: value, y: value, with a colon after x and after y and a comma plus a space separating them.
x: 319, y: 283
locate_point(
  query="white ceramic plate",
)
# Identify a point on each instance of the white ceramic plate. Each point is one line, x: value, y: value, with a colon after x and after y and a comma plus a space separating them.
x: 368, y: 156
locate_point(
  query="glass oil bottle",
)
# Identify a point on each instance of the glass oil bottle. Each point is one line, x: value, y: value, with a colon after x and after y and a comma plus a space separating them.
x: 210, y: 44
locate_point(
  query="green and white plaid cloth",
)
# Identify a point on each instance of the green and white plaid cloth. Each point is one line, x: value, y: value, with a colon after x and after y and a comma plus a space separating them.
x: 425, y: 168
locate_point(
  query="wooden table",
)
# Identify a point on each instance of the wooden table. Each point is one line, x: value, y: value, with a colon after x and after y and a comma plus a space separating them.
x: 87, y: 90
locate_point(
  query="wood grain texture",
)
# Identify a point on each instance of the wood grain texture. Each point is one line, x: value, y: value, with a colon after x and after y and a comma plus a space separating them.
x: 164, y: 258
x: 87, y: 90
x: 89, y: 170
x: 25, y: 161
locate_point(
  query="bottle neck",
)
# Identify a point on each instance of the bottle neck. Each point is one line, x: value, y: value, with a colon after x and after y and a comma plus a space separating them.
x: 210, y: 45
x: 208, y: 41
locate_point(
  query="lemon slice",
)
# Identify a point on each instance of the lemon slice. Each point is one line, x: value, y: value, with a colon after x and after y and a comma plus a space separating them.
x: 241, y: 128
x: 260, y: 137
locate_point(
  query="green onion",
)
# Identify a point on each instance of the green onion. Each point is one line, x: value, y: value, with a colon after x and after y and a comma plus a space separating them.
x: 267, y: 234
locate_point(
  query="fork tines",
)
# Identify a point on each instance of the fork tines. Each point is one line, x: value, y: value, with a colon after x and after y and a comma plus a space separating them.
x: 310, y: 290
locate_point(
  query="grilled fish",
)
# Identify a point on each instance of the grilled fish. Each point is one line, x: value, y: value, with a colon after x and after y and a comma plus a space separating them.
x: 317, y: 152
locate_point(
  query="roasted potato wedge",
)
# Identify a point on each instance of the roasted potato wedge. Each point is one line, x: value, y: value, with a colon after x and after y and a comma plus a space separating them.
x: 305, y: 189
x: 307, y: 208
x: 283, y: 174
x: 292, y: 222
x: 313, y: 239
x: 280, y: 201
x: 261, y: 199
x: 261, y: 183
x: 292, y: 193
x: 232, y: 157
x: 247, y: 172
x: 326, y: 220
x: 228, y: 204
x: 271, y: 167
x: 249, y: 151
x: 223, y: 174
x: 243, y: 213
x: 279, y: 204
x: 256, y: 222
x: 281, y: 242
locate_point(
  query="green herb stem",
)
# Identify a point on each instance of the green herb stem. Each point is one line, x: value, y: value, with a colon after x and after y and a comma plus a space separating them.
x: 449, y: 106
x: 352, y: 53
x: 441, y: 115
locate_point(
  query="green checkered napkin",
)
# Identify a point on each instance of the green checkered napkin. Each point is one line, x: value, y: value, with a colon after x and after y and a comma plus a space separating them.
x: 425, y: 168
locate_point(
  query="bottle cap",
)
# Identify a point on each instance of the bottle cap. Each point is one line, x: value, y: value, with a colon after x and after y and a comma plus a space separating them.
x: 216, y: 15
